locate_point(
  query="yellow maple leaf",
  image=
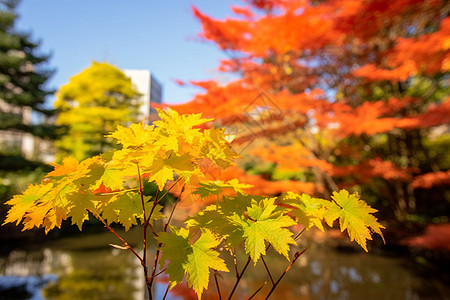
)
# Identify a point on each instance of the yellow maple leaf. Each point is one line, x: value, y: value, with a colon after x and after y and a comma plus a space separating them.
x: 136, y: 135
x: 24, y: 203
x: 69, y: 165
x: 354, y: 215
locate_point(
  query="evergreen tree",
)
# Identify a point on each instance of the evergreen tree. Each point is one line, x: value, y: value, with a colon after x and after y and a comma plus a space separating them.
x: 23, y: 75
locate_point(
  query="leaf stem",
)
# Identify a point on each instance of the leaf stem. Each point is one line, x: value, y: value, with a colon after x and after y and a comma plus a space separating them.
x: 267, y: 269
x: 117, y: 235
x: 296, y: 256
x: 299, y: 234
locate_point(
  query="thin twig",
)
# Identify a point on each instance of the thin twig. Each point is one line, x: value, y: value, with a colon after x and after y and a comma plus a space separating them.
x: 155, y: 263
x: 235, y: 262
x: 153, y: 231
x: 299, y: 234
x: 117, y: 235
x: 267, y: 269
x: 217, y: 285
x: 239, y: 277
x: 254, y: 294
x: 167, y: 291
x: 170, y: 216
x: 157, y: 201
x: 296, y: 256
x: 168, y: 190
x: 144, y: 243
x: 160, y: 272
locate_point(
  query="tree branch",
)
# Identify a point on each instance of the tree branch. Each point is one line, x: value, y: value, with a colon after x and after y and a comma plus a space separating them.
x: 296, y: 256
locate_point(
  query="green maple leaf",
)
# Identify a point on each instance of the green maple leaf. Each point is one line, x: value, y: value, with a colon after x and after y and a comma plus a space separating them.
x: 202, y: 258
x: 263, y: 223
x: 126, y: 208
x: 355, y: 216
x: 111, y: 178
x: 309, y: 211
x: 215, y: 220
x: 79, y: 205
x: 175, y: 249
x: 196, y: 259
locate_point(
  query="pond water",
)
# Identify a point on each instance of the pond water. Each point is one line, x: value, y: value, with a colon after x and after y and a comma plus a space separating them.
x: 84, y: 268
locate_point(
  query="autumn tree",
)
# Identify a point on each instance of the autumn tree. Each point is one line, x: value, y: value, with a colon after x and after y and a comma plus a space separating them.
x: 92, y: 104
x: 337, y: 93
x: 176, y: 150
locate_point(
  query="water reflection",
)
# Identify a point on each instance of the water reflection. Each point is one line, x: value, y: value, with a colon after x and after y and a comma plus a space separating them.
x: 61, y: 274
x: 99, y: 274
x: 82, y: 272
x: 324, y: 274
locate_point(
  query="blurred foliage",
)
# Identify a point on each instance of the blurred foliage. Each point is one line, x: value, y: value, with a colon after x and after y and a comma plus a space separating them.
x: 339, y: 104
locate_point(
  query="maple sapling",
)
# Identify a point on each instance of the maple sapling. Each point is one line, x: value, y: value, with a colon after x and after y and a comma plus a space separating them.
x: 172, y: 152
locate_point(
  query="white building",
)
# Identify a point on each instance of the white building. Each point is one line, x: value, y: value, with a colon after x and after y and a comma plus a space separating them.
x: 150, y: 90
x: 17, y: 141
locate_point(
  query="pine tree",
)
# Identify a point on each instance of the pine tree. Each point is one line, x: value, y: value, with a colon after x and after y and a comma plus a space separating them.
x: 23, y: 76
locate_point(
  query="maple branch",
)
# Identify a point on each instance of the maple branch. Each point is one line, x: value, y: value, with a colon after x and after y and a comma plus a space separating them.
x: 167, y: 291
x: 257, y: 291
x: 296, y: 256
x: 168, y: 190
x: 171, y: 215
x: 267, y: 269
x: 160, y: 272
x: 144, y: 243
x: 117, y: 235
x: 147, y: 221
x: 155, y: 263
x: 239, y: 277
x: 235, y: 262
x: 217, y: 285
x: 153, y: 231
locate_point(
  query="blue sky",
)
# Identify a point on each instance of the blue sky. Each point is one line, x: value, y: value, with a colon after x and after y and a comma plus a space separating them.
x: 160, y: 36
